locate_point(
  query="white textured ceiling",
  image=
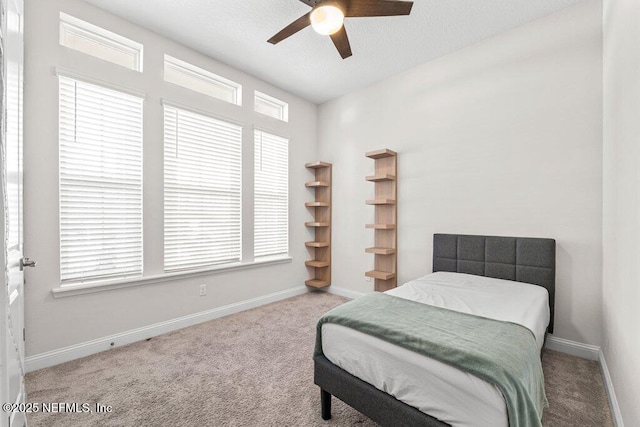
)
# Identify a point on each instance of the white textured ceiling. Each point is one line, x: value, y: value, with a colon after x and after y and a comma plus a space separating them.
x: 307, y: 64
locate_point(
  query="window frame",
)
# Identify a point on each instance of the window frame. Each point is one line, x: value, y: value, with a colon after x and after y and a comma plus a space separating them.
x: 246, y: 118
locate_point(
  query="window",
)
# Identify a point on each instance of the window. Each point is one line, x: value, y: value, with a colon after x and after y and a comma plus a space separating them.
x: 270, y: 106
x: 100, y: 182
x: 202, y: 190
x: 195, y: 78
x: 95, y: 41
x: 271, y: 196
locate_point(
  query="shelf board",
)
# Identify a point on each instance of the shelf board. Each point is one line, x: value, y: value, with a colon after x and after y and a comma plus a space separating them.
x: 316, y: 204
x: 381, y: 177
x: 379, y: 154
x: 381, y: 202
x: 381, y: 226
x: 317, y: 165
x: 316, y: 263
x: 316, y: 244
x: 316, y: 184
x: 380, y: 251
x: 316, y: 224
x: 315, y: 283
x: 382, y: 275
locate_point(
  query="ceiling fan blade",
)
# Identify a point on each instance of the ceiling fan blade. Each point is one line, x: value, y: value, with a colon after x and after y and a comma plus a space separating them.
x: 341, y: 41
x: 291, y: 29
x: 359, y: 8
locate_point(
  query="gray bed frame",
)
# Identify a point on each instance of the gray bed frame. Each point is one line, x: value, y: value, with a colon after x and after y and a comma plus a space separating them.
x: 521, y: 259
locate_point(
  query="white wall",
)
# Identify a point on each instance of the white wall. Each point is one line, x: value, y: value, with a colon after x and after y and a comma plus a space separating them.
x: 55, y: 323
x: 501, y: 138
x: 621, y: 228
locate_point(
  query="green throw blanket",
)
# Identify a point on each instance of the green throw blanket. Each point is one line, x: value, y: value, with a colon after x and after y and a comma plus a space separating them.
x: 501, y: 353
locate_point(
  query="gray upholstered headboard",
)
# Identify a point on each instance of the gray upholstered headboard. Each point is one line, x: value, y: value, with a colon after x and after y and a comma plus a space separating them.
x: 521, y: 259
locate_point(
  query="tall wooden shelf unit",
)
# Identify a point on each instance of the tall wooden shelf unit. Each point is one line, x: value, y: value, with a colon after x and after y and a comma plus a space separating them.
x: 320, y: 265
x: 386, y: 216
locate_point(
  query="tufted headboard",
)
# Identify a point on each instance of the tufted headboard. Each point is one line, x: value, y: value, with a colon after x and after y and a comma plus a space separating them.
x: 521, y: 259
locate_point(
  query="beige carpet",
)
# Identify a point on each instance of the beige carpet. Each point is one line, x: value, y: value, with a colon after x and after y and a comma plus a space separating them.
x: 252, y: 369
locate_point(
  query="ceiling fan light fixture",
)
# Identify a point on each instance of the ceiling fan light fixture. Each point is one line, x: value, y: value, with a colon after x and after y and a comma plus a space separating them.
x: 327, y: 19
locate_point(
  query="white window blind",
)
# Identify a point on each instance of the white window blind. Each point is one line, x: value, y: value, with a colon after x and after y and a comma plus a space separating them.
x: 202, y: 190
x: 271, y: 196
x: 100, y: 182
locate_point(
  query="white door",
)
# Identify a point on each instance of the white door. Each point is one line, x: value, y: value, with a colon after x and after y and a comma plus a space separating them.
x: 12, y: 358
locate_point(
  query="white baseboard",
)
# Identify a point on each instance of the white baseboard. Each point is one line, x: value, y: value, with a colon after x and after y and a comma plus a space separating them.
x: 585, y: 351
x: 76, y: 351
x: 611, y: 393
x: 347, y: 293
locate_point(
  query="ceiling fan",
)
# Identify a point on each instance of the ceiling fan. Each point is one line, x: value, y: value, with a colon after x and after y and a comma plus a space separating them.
x: 327, y: 18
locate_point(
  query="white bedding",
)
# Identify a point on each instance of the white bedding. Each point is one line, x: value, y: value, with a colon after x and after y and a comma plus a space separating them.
x: 446, y: 393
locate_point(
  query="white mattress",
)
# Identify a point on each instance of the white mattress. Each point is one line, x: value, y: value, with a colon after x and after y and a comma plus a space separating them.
x: 446, y: 393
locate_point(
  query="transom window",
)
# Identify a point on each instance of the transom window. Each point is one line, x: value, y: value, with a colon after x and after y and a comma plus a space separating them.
x: 95, y: 41
x: 191, y: 77
x: 270, y: 106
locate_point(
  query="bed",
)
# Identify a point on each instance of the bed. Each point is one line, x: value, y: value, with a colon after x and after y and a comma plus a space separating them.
x: 356, y: 368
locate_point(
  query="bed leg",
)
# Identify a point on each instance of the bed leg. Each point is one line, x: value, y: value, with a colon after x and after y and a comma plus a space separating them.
x: 325, y: 403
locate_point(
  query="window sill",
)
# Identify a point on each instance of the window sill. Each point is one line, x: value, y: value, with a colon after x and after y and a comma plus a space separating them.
x: 89, y: 288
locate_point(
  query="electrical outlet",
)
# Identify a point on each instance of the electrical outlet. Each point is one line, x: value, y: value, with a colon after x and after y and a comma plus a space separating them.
x: 203, y: 290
